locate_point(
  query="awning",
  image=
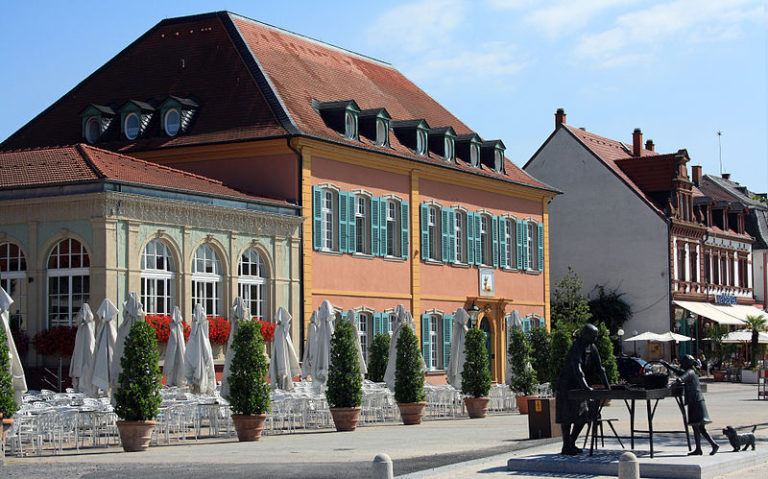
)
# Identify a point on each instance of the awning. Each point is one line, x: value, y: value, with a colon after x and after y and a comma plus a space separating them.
x: 717, y: 313
x: 741, y: 311
x: 745, y: 336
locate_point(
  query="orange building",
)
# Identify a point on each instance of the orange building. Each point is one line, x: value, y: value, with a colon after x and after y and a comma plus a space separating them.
x: 402, y: 202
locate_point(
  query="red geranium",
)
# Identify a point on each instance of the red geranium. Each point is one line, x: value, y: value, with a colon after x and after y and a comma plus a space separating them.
x: 267, y: 330
x: 56, y: 341
x: 218, y: 329
x: 162, y: 325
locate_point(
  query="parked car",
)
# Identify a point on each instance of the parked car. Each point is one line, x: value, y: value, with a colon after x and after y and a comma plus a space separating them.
x: 630, y: 368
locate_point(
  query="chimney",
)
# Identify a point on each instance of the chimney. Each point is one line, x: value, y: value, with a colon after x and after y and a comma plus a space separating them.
x: 559, y: 117
x: 696, y: 174
x: 726, y: 176
x: 637, y: 142
x: 649, y: 145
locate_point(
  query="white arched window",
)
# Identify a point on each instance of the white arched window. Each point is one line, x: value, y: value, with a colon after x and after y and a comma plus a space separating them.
x: 206, y: 280
x: 157, y: 278
x: 252, y: 281
x: 13, y: 271
x: 68, y: 281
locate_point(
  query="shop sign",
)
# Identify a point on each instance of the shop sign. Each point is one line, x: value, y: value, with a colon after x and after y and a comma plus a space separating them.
x: 725, y: 299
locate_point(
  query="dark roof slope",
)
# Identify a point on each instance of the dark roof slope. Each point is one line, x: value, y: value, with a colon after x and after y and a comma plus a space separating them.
x: 756, y: 223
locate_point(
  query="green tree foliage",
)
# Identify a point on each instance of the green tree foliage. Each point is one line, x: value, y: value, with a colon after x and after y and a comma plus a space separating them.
x: 605, y: 349
x: 609, y: 308
x: 757, y: 324
x: 539, y: 338
x: 568, y: 304
x: 409, y: 375
x: 475, y: 377
x: 138, y: 392
x: 8, y: 406
x: 716, y: 334
x: 561, y: 340
x: 248, y: 387
x: 523, y: 375
x: 379, y: 355
x: 345, y: 382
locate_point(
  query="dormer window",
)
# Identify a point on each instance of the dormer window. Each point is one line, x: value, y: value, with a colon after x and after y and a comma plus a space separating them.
x: 421, y: 142
x: 467, y: 147
x: 373, y: 124
x: 492, y: 155
x: 474, y: 155
x: 172, y: 122
x: 441, y: 142
x: 413, y: 134
x: 131, y: 126
x: 341, y: 116
x: 448, y: 149
x: 498, y: 160
x: 135, y: 117
x: 350, y: 125
x: 96, y: 119
x: 382, y: 132
x: 92, y: 130
x: 176, y: 114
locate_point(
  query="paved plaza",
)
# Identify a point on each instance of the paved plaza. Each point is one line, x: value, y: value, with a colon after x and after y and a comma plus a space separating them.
x: 436, y: 448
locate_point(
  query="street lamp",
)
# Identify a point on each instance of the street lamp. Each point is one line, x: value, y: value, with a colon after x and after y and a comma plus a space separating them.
x: 620, y: 332
x: 474, y: 312
x: 691, y: 322
x: 634, y: 333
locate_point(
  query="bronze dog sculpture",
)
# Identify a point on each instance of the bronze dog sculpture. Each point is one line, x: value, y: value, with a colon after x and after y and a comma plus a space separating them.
x: 737, y: 440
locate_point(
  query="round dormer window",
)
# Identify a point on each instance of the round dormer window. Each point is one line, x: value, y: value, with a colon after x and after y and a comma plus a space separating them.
x: 92, y: 129
x: 131, y: 128
x: 421, y: 142
x: 350, y: 125
x: 172, y: 122
x: 448, y: 148
x: 473, y: 155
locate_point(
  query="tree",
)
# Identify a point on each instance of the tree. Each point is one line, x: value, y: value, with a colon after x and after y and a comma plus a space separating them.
x: 523, y: 375
x: 568, y: 304
x: 345, y: 382
x: 539, y: 338
x: 608, y: 308
x: 716, y: 334
x: 8, y: 406
x: 409, y: 375
x: 560, y: 344
x: 605, y: 350
x: 475, y: 377
x: 248, y: 387
x: 138, y: 393
x: 757, y: 324
x: 379, y: 355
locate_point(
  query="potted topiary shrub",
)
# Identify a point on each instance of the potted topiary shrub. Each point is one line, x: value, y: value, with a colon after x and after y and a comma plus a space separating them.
x: 137, y: 398
x: 523, y: 375
x: 8, y: 406
x: 248, y: 388
x: 379, y: 356
x: 345, y: 383
x: 409, y: 377
x: 476, y: 377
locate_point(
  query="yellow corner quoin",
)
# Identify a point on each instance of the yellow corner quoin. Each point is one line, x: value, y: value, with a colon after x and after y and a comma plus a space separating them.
x: 545, y: 221
x: 306, y: 237
x: 415, y: 243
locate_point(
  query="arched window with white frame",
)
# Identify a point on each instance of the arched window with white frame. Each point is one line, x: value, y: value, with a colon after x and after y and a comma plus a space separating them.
x: 207, y: 280
x: 252, y: 282
x: 13, y: 272
x: 69, y: 286
x: 157, y: 278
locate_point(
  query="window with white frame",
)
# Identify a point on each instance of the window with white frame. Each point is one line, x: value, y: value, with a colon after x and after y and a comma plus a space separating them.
x: 69, y: 285
x: 13, y: 271
x: 382, y: 132
x: 206, y: 280
x: 435, y: 326
x: 157, y: 278
x: 474, y: 155
x: 329, y: 219
x: 434, y: 233
x: 362, y: 224
x: 364, y: 322
x: 393, y: 228
x: 448, y: 148
x: 460, y: 228
x: 485, y: 240
x: 391, y: 323
x: 252, y: 282
x: 350, y: 125
x: 510, y: 235
x: 421, y: 142
x: 532, y: 246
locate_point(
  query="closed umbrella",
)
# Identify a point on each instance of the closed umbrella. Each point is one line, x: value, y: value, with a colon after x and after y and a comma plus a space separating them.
x: 198, y: 358
x: 133, y: 311
x: 174, y: 351
x: 351, y: 319
x: 85, y: 341
x: 458, y: 354
x: 18, y: 381
x: 97, y: 377
x: 514, y: 322
x: 240, y: 312
x: 322, y: 347
x: 306, y: 363
x: 403, y: 319
x: 284, y: 364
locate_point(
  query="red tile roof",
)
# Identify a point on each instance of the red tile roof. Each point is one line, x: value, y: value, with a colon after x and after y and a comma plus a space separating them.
x: 252, y: 81
x: 84, y: 164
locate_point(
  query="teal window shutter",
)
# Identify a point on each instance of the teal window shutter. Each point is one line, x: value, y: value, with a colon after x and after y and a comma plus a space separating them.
x: 524, y: 228
x: 519, y: 238
x: 426, y: 349
x: 424, y: 231
x: 317, y: 217
x: 447, y: 337
x: 404, y: 222
x: 451, y: 235
x: 503, y: 242
x: 444, y: 234
x: 478, y: 240
x: 343, y: 220
x: 383, y: 227
x: 375, y: 226
x: 470, y: 233
x: 495, y: 240
x: 378, y: 323
x: 540, y: 245
x: 352, y: 223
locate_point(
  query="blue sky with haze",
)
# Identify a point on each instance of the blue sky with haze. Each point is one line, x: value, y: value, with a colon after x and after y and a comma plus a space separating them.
x: 678, y: 69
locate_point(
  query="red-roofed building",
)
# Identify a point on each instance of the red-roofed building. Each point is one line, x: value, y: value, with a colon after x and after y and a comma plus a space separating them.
x: 631, y: 219
x: 402, y: 202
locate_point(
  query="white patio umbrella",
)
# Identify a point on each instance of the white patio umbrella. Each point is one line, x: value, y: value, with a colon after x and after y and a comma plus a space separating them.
x: 670, y: 336
x: 85, y: 341
x: 173, y: 367
x: 133, y: 311
x: 306, y: 363
x: 514, y: 322
x: 321, y: 358
x: 97, y: 377
x: 18, y: 381
x: 239, y: 312
x: 351, y: 319
x: 198, y: 358
x: 745, y: 336
x: 403, y: 319
x: 646, y: 336
x: 458, y: 354
x: 284, y: 364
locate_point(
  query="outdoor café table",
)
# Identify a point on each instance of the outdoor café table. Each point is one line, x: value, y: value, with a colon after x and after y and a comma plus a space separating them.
x: 630, y: 395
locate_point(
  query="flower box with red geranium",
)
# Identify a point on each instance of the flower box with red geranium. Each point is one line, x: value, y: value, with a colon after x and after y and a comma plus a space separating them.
x: 55, y: 341
x: 162, y: 326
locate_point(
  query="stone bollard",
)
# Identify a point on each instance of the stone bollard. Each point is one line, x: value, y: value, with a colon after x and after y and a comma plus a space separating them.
x: 629, y: 468
x: 382, y: 467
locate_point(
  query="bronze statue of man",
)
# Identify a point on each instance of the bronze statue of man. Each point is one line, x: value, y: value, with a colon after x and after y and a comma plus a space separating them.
x: 582, y: 361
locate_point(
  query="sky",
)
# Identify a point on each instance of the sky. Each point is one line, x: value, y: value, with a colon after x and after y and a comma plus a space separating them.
x: 680, y: 70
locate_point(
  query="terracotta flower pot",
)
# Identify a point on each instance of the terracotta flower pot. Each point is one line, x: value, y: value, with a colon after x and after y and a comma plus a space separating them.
x: 345, y: 418
x: 411, y: 412
x: 477, y: 407
x: 248, y: 426
x: 135, y: 435
x: 522, y: 403
x: 7, y: 423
